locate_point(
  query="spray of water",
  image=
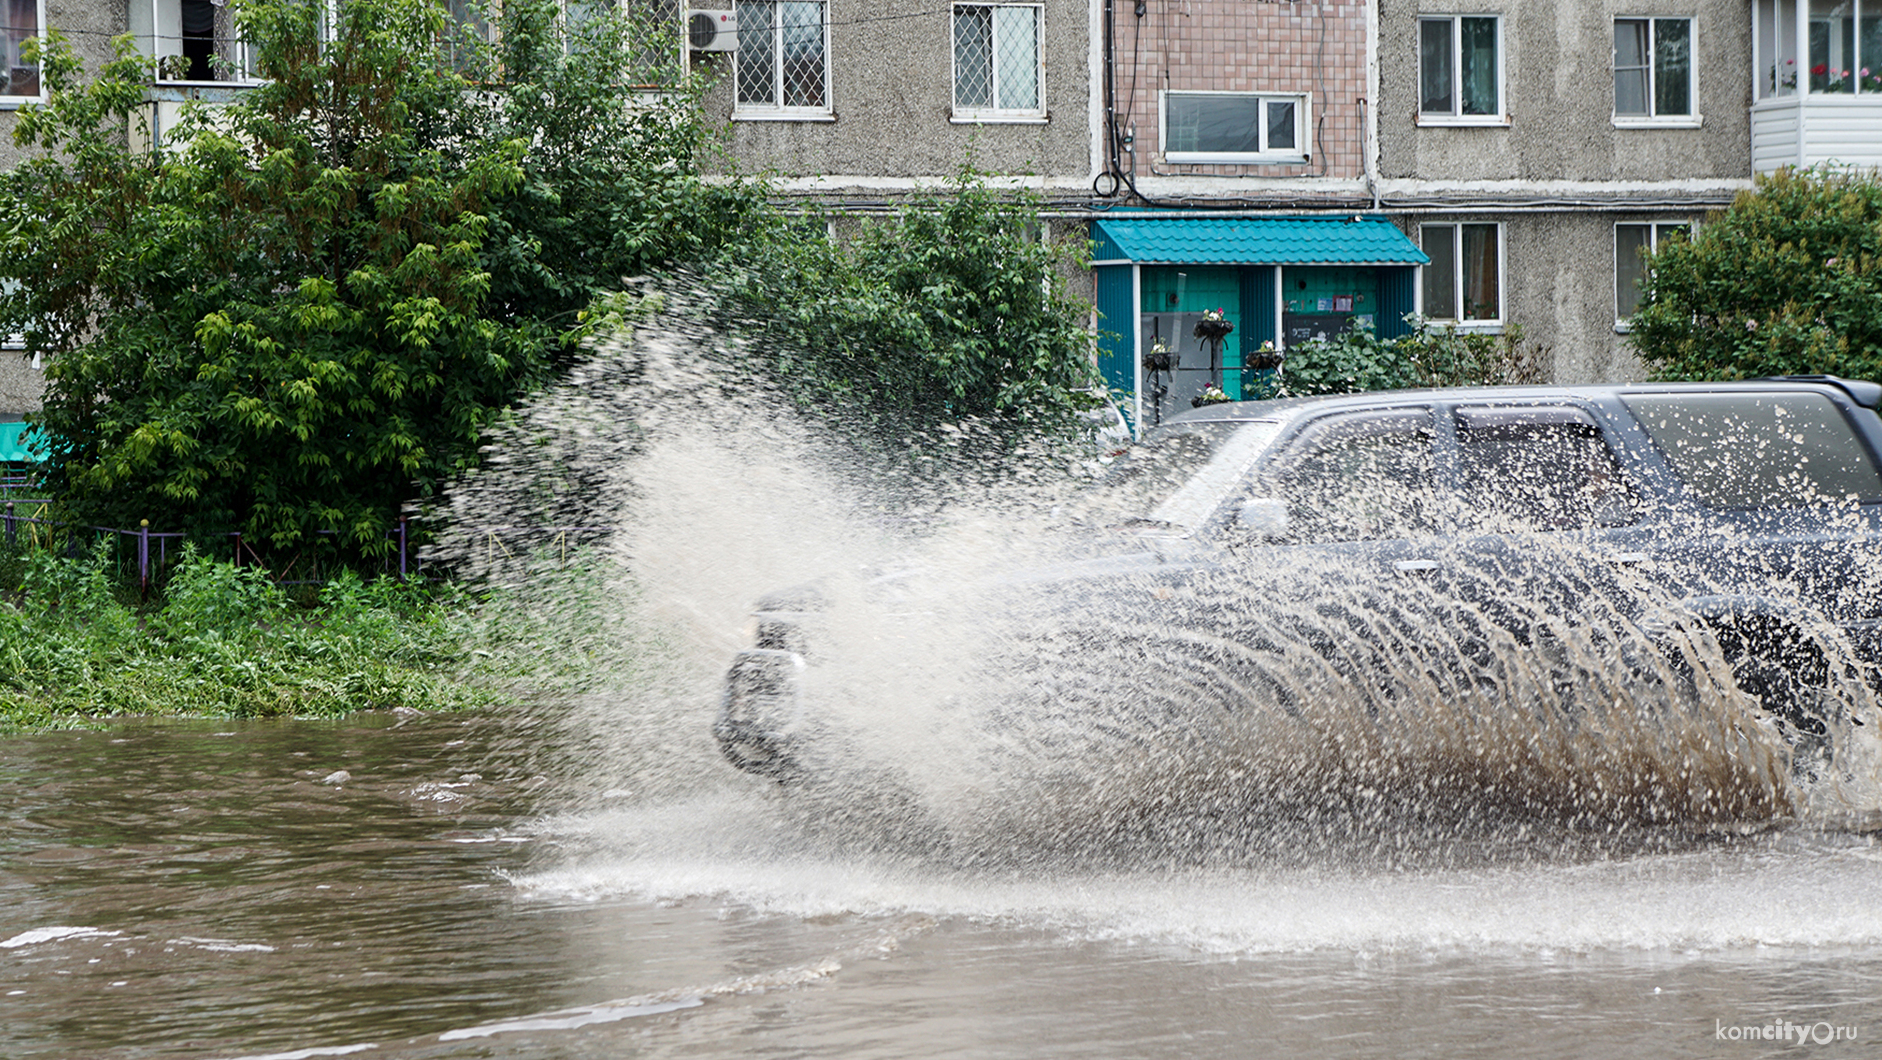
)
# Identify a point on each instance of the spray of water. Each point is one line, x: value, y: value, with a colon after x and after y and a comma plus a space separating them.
x: 970, y: 709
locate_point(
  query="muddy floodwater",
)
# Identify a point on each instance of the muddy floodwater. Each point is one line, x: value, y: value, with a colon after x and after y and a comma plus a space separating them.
x: 405, y: 886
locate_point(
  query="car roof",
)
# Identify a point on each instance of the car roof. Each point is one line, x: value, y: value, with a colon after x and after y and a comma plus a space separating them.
x: 1862, y: 393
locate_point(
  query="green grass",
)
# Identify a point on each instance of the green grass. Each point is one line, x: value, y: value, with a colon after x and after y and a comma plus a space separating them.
x: 222, y: 642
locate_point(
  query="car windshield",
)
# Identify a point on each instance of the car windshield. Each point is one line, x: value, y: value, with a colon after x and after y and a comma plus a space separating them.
x: 1178, y: 474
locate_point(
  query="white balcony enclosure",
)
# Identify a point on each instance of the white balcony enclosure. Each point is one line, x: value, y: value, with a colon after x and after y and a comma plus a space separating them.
x: 193, y: 41
x: 1816, y: 83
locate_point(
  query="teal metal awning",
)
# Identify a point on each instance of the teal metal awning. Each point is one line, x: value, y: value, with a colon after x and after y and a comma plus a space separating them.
x: 13, y: 447
x: 1356, y: 240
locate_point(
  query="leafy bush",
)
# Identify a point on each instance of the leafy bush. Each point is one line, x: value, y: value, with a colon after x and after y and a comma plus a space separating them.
x: 1427, y: 356
x: 1787, y: 281
x: 223, y: 642
x: 952, y: 309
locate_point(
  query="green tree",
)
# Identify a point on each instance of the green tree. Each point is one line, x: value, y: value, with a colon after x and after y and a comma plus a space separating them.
x: 1787, y: 281
x: 303, y: 310
x: 954, y: 308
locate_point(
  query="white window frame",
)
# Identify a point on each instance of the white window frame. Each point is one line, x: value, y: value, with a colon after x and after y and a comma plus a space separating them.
x: 1454, y: 319
x: 1457, y: 116
x: 154, y: 43
x: 1655, y: 228
x: 779, y: 111
x: 1303, y: 131
x: 1651, y: 120
x: 13, y: 101
x: 996, y: 114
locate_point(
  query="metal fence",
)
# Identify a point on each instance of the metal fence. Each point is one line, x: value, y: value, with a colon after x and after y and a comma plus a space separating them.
x: 24, y: 521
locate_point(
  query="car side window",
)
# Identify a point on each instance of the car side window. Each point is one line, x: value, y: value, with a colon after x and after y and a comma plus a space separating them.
x: 1538, y: 468
x: 1361, y: 477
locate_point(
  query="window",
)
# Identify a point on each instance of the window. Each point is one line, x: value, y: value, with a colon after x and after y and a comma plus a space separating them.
x: 1460, y: 77
x: 1632, y: 244
x: 1364, y: 477
x: 1532, y: 468
x: 192, y: 40
x: 1759, y: 450
x: 1464, y: 282
x: 1231, y: 127
x: 996, y: 61
x: 24, y: 19
x: 782, y: 65
x: 1818, y: 46
x: 1653, y: 69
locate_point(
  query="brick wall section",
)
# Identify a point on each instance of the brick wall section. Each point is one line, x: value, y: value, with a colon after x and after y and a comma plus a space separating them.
x: 1247, y: 46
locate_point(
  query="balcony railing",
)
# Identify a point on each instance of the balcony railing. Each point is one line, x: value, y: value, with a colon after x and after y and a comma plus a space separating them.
x: 1807, y: 129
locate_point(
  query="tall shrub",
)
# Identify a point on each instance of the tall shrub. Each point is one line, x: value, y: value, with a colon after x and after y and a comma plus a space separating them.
x: 1787, y: 281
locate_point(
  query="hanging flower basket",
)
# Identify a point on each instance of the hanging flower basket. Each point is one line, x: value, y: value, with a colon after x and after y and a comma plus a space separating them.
x: 1211, y: 395
x: 1265, y: 358
x: 1213, y: 327
x: 1159, y: 358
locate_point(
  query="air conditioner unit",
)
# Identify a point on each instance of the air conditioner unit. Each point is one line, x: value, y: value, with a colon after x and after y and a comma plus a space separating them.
x: 712, y: 31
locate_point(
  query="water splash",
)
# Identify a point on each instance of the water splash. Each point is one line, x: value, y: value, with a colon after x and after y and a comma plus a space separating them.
x: 974, y: 712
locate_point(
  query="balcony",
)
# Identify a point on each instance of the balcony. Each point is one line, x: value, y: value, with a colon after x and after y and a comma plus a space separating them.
x: 1811, y: 128
x: 1818, y: 83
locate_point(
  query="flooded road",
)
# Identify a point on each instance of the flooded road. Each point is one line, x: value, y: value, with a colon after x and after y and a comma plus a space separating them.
x: 418, y: 887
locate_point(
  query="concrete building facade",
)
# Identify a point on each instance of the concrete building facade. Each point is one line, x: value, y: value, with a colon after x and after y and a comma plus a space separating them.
x: 1534, y: 148
x: 89, y: 26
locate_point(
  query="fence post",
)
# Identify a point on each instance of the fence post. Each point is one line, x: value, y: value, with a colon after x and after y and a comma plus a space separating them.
x: 143, y: 558
x: 11, y: 530
x: 401, y: 548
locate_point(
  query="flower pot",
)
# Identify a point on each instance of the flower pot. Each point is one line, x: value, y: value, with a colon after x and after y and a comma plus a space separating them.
x: 1264, y: 359
x: 1213, y: 330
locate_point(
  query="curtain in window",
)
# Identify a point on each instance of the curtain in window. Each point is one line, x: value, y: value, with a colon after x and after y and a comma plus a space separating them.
x: 1280, y: 126
x: 973, y: 57
x: 1483, y: 297
x: 1216, y: 124
x: 1479, y: 66
x: 1630, y: 67
x: 1434, y: 67
x: 996, y: 57
x: 1630, y: 244
x: 757, y: 52
x: 1672, y: 66
x: 800, y: 25
x: 22, y: 23
x: 1439, y: 242
x: 1016, y: 36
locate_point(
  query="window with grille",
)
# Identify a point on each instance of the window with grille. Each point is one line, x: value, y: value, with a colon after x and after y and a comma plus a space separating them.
x: 1653, y: 70
x: 783, y: 65
x: 1464, y: 282
x: 1231, y: 127
x: 996, y: 61
x: 1460, y: 70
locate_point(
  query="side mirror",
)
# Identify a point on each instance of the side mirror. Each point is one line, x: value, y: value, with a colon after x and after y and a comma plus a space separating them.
x: 1264, y: 518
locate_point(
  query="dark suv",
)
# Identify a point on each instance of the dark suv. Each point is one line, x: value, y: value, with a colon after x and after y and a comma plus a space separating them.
x: 1376, y: 545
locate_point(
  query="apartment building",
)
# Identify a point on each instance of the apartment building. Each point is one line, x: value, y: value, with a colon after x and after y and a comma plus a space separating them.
x: 1235, y: 179
x: 857, y: 103
x: 89, y: 25
x: 1534, y: 149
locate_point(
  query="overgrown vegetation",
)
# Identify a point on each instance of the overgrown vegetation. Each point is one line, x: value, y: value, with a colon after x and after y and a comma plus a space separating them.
x: 222, y: 642
x: 1787, y: 281
x: 1427, y: 356
x: 954, y: 308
